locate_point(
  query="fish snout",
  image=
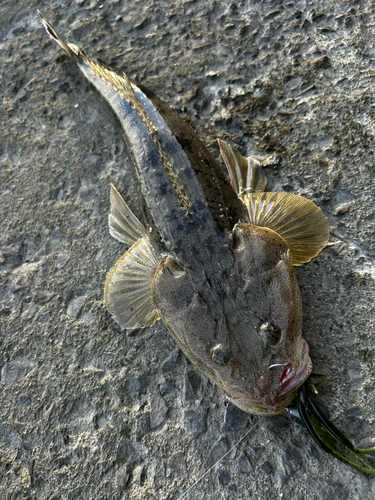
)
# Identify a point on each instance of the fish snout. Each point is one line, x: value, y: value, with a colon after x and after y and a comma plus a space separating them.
x: 292, y: 377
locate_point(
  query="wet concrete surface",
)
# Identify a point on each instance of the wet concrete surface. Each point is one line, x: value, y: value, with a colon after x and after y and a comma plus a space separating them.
x: 90, y: 411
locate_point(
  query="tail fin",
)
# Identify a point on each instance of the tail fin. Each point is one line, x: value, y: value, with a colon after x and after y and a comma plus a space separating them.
x: 55, y: 36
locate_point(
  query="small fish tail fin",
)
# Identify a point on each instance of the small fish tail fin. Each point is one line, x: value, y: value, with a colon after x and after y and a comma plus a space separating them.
x: 296, y: 219
x: 246, y: 174
x: 56, y: 37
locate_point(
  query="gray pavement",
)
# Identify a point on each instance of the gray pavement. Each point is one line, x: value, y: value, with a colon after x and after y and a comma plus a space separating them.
x: 88, y: 411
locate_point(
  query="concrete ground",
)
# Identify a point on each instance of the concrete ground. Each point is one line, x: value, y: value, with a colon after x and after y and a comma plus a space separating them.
x: 88, y: 411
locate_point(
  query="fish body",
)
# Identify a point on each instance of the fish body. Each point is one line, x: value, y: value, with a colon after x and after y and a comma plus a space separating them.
x: 215, y: 263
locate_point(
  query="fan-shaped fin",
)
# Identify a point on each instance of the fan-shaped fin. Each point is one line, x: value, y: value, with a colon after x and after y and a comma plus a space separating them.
x: 298, y: 220
x: 123, y: 224
x: 245, y: 174
x: 127, y: 290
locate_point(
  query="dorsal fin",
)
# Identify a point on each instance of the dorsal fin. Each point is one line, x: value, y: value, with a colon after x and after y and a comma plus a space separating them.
x: 246, y: 175
x: 299, y: 221
x: 123, y: 86
x: 123, y: 224
x: 127, y: 290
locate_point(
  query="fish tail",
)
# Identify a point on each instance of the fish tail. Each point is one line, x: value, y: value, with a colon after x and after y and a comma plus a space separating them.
x: 55, y: 36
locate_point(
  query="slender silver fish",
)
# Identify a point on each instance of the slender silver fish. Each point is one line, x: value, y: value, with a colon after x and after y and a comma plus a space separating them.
x: 217, y: 266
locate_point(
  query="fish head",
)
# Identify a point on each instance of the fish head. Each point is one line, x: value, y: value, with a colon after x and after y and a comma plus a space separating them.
x: 242, y: 325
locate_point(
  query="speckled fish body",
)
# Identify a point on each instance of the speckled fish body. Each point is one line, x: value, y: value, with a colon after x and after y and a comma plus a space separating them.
x: 226, y: 290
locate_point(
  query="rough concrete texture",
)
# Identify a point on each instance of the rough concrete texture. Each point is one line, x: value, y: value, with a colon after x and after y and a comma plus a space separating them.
x: 92, y: 412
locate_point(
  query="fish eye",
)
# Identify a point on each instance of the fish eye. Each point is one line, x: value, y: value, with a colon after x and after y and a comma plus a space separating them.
x: 270, y: 333
x: 220, y: 354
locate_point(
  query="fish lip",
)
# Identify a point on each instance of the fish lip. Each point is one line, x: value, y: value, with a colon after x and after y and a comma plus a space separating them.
x: 275, y: 402
x: 301, y: 375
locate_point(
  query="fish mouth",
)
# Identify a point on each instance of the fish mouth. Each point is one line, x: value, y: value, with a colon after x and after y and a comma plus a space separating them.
x: 290, y: 380
x: 276, y: 401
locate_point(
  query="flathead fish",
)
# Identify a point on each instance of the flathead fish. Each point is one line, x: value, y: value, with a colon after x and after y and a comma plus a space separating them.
x: 214, y: 259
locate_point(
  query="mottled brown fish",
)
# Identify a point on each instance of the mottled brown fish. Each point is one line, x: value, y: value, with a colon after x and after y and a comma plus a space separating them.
x: 215, y: 260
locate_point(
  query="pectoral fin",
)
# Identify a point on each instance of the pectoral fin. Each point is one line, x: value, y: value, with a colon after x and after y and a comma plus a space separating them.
x: 127, y: 290
x: 246, y: 175
x: 123, y: 224
x: 299, y: 221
